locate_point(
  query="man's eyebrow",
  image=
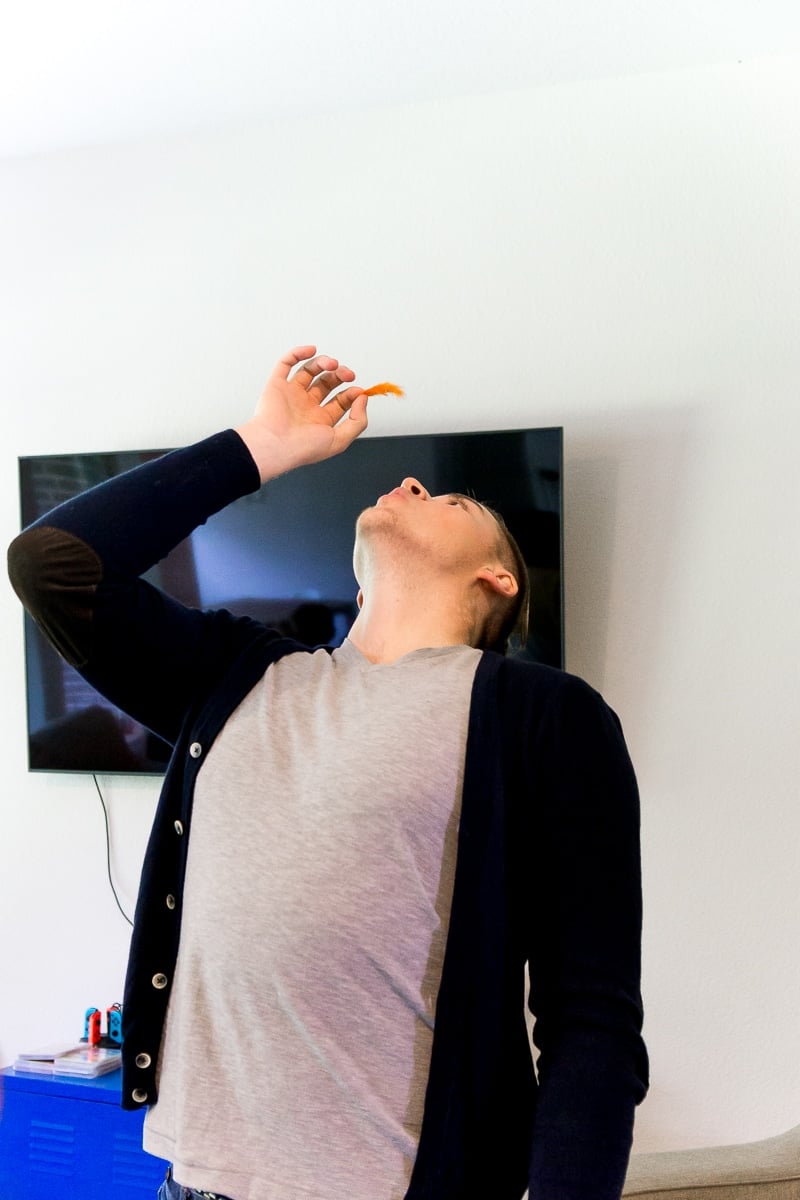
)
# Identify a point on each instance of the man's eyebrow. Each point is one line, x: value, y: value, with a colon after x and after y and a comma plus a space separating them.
x: 470, y: 499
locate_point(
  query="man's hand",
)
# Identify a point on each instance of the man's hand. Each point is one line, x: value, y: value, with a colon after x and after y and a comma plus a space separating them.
x: 295, y: 423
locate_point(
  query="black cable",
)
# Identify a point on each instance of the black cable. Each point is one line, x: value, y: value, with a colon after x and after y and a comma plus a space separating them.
x: 108, y: 852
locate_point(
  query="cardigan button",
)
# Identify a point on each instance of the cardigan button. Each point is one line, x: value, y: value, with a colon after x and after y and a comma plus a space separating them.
x: 143, y: 1061
x: 170, y: 902
x: 160, y: 981
x: 195, y: 749
x: 179, y: 828
x: 138, y: 1095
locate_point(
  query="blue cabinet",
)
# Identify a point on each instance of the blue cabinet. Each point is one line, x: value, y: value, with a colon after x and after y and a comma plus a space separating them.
x: 68, y: 1139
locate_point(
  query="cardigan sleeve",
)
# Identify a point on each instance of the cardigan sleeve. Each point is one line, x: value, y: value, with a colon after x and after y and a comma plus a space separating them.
x: 77, y: 571
x: 584, y: 931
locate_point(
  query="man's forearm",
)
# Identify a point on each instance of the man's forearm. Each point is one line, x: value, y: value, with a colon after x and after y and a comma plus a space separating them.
x: 584, y: 1120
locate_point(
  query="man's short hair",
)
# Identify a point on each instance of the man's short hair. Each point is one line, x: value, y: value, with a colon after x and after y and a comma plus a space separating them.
x: 507, y: 625
x: 510, y: 631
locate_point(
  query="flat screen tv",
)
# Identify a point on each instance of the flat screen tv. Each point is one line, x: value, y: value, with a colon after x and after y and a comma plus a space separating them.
x: 284, y: 556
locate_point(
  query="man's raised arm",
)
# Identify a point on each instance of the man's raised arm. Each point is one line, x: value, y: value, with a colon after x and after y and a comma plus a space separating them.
x: 77, y: 569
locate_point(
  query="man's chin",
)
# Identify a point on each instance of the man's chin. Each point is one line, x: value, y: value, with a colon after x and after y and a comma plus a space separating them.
x: 375, y: 515
x: 374, y: 524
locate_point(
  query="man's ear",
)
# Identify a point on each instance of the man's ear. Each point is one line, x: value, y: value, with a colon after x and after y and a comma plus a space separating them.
x: 499, y: 580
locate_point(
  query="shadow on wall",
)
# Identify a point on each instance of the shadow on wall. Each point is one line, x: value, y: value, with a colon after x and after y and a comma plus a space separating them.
x: 629, y: 484
x: 631, y: 487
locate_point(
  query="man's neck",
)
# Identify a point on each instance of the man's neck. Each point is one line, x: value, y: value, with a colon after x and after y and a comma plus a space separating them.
x: 385, y: 632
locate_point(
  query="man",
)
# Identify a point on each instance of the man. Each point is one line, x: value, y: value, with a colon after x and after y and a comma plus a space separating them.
x: 357, y: 853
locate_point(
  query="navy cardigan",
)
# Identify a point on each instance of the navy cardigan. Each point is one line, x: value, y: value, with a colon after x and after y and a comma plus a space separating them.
x: 547, y: 872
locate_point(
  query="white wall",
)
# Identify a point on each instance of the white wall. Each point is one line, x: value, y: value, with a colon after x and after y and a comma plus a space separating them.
x: 619, y: 257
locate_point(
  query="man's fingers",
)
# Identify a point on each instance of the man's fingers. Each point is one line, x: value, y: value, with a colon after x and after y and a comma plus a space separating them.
x: 328, y: 381
x: 346, y: 432
x: 314, y: 370
x: 342, y: 402
x: 318, y: 371
x: 290, y: 359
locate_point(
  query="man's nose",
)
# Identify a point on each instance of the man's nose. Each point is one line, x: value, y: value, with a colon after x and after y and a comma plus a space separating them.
x: 414, y: 486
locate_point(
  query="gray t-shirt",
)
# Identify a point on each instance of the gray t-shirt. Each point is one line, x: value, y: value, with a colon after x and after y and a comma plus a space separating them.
x: 316, y: 908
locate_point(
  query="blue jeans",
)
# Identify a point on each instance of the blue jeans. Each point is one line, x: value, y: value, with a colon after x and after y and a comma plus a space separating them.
x: 170, y: 1190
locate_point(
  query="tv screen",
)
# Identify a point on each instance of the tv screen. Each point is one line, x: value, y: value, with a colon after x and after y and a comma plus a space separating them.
x: 284, y: 556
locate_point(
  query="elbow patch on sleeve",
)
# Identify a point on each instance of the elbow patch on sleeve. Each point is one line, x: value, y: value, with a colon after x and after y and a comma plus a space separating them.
x: 56, y: 575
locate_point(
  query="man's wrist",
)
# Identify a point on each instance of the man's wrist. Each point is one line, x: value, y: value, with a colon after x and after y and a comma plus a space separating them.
x: 267, y: 451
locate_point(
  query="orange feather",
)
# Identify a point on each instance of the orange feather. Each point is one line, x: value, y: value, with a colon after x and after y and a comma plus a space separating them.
x: 380, y: 389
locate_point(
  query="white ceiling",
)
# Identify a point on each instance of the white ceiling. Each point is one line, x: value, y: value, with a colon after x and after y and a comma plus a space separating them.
x: 80, y: 72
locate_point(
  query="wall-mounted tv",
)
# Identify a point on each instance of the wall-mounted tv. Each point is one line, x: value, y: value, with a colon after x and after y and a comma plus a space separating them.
x: 284, y: 556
